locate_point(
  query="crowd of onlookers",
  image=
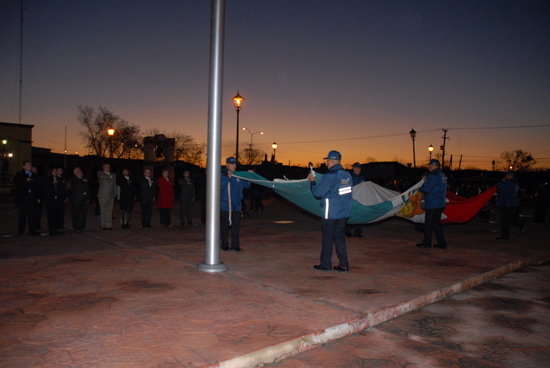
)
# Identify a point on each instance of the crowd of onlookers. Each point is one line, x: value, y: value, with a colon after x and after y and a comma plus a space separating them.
x: 51, y: 192
x: 35, y: 192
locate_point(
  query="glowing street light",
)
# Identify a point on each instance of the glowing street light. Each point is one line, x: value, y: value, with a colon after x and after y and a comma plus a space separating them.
x: 238, y: 103
x: 431, y: 149
x: 111, y: 132
x: 274, y: 146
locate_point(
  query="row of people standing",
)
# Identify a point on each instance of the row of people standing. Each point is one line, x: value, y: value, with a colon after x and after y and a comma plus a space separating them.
x: 124, y: 189
x: 33, y: 192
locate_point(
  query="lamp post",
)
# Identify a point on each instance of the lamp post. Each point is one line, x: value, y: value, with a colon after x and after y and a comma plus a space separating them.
x: 274, y: 146
x: 237, y: 102
x: 5, y: 163
x: 251, y: 137
x: 431, y: 149
x: 413, y: 136
x: 111, y: 132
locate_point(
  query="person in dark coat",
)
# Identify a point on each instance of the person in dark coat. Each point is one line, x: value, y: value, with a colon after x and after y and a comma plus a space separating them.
x: 201, y: 194
x: 40, y: 185
x: 165, y: 198
x: 187, y: 197
x: 542, y: 200
x: 80, y: 197
x: 434, y: 190
x: 64, y: 192
x: 148, y: 196
x: 508, y: 205
x: 26, y: 198
x: 54, y: 200
x: 126, y: 195
x: 334, y: 192
x: 230, y: 208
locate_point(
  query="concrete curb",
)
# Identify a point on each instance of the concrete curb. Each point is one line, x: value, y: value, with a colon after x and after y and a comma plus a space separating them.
x: 301, y: 344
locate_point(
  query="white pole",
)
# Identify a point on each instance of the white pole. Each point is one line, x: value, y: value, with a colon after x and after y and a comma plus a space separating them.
x: 215, y: 95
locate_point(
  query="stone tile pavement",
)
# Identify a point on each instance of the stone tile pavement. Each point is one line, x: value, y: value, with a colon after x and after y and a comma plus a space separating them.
x: 133, y: 298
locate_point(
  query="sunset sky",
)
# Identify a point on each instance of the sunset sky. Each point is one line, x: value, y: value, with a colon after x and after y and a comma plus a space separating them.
x: 316, y: 75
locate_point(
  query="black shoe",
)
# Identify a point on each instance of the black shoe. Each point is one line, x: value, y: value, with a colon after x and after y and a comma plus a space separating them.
x: 107, y: 228
x: 318, y: 267
x: 225, y: 249
x: 440, y: 246
x: 523, y: 227
x: 236, y: 249
x: 359, y: 236
x: 421, y: 245
x: 191, y: 224
x: 340, y: 269
x: 349, y: 235
x: 501, y: 238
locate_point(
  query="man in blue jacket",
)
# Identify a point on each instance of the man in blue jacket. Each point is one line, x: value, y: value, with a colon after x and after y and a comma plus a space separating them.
x: 334, y: 192
x: 434, y: 190
x: 231, y: 196
x: 508, y: 204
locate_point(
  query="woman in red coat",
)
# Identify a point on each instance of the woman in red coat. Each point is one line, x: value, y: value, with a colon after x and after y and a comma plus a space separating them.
x: 166, y: 198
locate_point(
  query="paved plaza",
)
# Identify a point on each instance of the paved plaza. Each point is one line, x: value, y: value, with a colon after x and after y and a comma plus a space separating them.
x: 134, y: 298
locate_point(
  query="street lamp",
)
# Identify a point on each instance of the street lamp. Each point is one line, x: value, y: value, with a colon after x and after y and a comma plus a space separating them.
x: 111, y: 132
x: 413, y: 136
x: 237, y: 102
x: 251, y: 137
x: 274, y: 146
x: 4, y: 142
x: 431, y: 149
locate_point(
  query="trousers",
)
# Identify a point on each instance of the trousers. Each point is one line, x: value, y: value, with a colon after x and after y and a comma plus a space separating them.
x: 106, y: 206
x: 78, y: 213
x: 186, y: 210
x: 334, y: 233
x: 508, y: 217
x: 432, y: 223
x: 146, y: 212
x: 235, y: 228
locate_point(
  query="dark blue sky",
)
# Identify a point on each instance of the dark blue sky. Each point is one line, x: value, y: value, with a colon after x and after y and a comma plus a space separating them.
x: 313, y: 73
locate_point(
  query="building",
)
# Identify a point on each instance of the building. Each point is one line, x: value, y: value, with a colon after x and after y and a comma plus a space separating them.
x: 16, y: 142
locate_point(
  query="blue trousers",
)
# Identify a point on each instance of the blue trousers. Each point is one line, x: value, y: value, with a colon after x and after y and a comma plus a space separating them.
x: 235, y: 228
x: 334, y: 233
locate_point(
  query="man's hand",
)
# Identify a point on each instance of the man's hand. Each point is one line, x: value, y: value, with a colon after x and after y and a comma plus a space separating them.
x: 311, y: 177
x: 250, y: 171
x: 229, y: 174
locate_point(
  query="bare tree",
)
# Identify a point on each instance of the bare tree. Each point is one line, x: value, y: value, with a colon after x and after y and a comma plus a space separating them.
x: 517, y: 160
x: 186, y: 149
x: 251, y: 156
x: 95, y: 125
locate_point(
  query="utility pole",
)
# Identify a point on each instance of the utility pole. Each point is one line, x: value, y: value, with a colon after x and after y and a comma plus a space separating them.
x: 443, y: 147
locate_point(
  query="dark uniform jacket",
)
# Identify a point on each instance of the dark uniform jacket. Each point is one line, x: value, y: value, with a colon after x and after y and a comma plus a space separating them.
x: 147, y: 192
x: 187, y: 186
x: 434, y: 190
x: 27, y: 190
x: 507, y: 195
x: 127, y: 193
x: 335, y: 193
x: 80, y: 189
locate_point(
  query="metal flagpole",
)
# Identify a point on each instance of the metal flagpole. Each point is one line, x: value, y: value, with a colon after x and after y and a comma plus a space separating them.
x: 217, y: 25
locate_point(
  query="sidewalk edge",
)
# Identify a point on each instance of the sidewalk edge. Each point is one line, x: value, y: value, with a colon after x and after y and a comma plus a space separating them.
x: 301, y: 344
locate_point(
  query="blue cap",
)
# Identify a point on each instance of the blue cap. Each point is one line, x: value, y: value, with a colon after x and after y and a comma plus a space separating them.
x: 357, y: 164
x: 333, y: 155
x: 231, y: 160
x: 435, y: 162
